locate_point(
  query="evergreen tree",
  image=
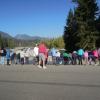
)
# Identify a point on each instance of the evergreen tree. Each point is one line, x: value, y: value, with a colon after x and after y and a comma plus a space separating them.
x: 70, y: 29
x: 1, y: 41
x: 86, y: 13
x: 56, y: 42
x: 86, y: 33
x: 98, y: 28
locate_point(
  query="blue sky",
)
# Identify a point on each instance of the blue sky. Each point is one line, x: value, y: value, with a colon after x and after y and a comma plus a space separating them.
x: 44, y: 18
x: 34, y: 17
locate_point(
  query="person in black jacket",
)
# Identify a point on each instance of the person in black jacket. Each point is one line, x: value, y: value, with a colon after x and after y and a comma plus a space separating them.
x: 3, y: 55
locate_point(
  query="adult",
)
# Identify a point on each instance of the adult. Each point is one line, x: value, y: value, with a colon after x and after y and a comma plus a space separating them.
x: 53, y: 51
x: 65, y: 58
x: 26, y: 57
x: 86, y: 57
x: 12, y: 56
x: 22, y: 56
x: 8, y: 56
x: 95, y: 53
x: 80, y: 56
x: 57, y: 57
x: 42, y: 52
x: 36, y: 53
x: 99, y: 55
x: 3, y: 55
x: 74, y: 58
x: 49, y: 60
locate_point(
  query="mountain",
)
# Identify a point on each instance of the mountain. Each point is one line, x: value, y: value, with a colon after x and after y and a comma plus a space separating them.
x: 5, y: 35
x: 27, y: 37
x: 21, y: 37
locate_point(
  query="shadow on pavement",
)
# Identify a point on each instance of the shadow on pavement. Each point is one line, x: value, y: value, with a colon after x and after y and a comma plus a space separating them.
x: 50, y: 83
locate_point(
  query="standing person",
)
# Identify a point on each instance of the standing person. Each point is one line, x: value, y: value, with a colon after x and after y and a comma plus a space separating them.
x: 3, y: 54
x: 26, y: 55
x: 18, y: 58
x: 8, y: 56
x: 46, y: 56
x: 80, y: 56
x: 22, y: 55
x: 91, y: 57
x: 36, y: 52
x: 86, y: 57
x: 49, y: 60
x: 57, y: 57
x: 99, y: 55
x: 53, y: 51
x: 74, y: 58
x: 42, y: 51
x: 12, y: 57
x: 95, y: 53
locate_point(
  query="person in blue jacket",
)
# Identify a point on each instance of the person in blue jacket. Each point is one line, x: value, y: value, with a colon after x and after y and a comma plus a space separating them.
x: 8, y: 55
x: 53, y: 52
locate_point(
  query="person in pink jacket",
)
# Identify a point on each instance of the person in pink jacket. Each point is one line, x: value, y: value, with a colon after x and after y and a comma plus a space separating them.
x: 86, y: 57
x: 95, y: 53
x: 99, y: 55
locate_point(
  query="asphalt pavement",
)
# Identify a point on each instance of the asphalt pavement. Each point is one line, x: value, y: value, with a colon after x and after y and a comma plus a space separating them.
x: 63, y: 82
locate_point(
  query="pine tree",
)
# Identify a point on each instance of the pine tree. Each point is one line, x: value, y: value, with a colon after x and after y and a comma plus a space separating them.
x: 86, y: 13
x: 70, y: 38
x: 98, y: 28
x: 80, y: 30
x: 1, y: 41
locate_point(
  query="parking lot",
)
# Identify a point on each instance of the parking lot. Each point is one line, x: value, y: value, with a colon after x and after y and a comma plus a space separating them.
x: 28, y: 82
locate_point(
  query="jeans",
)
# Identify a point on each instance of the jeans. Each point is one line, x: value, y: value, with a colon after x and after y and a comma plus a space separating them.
x: 2, y: 60
x: 80, y: 59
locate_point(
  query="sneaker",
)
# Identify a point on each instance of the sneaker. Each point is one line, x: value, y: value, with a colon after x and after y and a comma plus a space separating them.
x: 44, y: 67
x: 39, y: 66
x: 96, y: 64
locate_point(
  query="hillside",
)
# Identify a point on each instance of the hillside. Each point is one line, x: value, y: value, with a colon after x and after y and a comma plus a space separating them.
x: 27, y: 37
x: 5, y: 35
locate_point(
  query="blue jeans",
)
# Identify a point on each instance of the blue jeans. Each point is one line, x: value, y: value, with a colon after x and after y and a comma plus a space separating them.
x: 2, y: 60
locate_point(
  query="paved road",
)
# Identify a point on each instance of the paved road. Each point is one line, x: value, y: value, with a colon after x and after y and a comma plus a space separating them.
x: 55, y: 83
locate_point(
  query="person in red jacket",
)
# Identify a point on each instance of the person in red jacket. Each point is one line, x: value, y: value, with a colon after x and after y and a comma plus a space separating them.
x: 95, y: 54
x: 42, y: 52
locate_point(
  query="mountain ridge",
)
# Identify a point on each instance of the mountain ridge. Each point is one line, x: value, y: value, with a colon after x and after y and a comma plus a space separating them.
x: 5, y: 35
x: 21, y: 36
x: 27, y: 37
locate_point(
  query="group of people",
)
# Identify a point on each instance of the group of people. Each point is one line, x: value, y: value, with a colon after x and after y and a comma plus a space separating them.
x: 83, y: 57
x: 42, y: 56
x: 6, y: 55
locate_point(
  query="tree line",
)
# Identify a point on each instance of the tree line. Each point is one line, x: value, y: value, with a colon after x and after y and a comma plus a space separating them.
x: 82, y: 29
x: 11, y: 43
x: 55, y: 42
x: 6, y: 42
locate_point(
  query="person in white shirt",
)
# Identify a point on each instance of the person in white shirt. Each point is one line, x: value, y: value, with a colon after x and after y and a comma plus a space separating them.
x: 27, y: 57
x: 57, y: 57
x: 22, y: 55
x: 36, y: 52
